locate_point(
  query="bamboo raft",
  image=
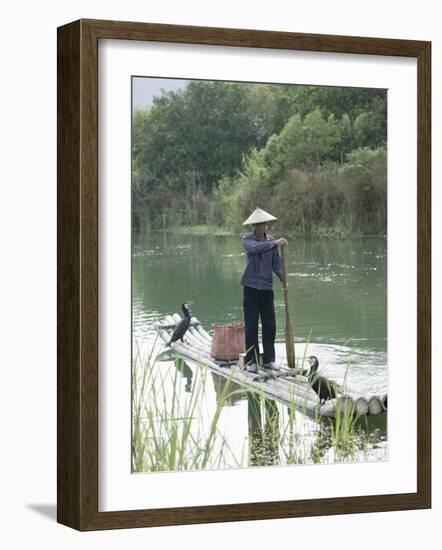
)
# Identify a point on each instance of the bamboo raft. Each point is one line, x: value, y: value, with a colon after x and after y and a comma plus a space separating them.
x: 287, y: 386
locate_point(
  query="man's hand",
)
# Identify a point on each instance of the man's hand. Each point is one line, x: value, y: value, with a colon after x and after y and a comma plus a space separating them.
x: 281, y: 242
x: 286, y: 287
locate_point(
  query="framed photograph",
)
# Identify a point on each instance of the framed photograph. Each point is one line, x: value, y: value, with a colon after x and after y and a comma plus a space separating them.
x: 244, y: 290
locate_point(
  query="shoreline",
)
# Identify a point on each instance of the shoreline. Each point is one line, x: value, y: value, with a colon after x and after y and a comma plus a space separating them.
x: 219, y: 231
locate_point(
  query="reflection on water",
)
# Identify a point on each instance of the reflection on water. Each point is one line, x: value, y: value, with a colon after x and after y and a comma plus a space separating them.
x: 337, y: 288
x: 264, y: 433
x: 338, y: 302
x: 251, y: 430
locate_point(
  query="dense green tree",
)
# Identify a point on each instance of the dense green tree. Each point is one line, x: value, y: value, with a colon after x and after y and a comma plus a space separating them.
x: 338, y: 100
x: 196, y: 136
x: 303, y: 143
x: 204, y: 153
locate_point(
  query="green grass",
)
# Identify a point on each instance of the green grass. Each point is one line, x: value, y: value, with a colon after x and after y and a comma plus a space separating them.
x: 202, y: 229
x: 168, y: 434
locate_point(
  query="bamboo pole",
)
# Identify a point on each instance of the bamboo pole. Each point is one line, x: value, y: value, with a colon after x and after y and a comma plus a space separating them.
x: 289, y: 340
x: 202, y: 331
x: 291, y: 391
x: 375, y: 406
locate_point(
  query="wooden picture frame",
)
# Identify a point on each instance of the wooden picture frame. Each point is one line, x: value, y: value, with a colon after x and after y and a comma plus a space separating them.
x: 77, y: 310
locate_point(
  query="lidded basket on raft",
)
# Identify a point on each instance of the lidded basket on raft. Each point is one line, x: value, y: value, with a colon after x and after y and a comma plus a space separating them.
x: 228, y: 341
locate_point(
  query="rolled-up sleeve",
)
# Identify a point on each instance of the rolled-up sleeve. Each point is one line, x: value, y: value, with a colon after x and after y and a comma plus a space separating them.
x: 252, y: 246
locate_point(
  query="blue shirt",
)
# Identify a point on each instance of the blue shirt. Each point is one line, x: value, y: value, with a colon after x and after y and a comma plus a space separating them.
x: 262, y: 259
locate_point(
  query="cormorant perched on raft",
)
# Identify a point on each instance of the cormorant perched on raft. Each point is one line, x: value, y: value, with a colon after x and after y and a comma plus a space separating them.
x: 324, y: 388
x: 182, y: 326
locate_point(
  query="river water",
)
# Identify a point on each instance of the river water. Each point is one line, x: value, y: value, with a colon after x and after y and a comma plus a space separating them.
x: 338, y: 303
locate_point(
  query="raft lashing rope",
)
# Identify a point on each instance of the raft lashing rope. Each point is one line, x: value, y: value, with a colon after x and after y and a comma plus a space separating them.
x: 287, y: 386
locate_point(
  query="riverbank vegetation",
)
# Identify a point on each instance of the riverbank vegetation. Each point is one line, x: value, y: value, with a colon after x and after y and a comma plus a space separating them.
x: 210, y: 153
x: 174, y: 426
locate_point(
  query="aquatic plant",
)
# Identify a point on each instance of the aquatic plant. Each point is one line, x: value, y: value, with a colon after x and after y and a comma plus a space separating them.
x: 168, y: 435
x: 166, y: 432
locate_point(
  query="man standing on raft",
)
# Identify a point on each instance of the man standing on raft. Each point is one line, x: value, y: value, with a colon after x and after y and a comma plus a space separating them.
x: 262, y: 259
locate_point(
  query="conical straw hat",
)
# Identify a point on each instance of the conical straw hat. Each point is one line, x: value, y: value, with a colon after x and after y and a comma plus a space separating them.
x: 259, y: 216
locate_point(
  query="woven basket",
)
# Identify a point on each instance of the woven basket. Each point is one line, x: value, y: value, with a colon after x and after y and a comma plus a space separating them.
x: 228, y: 341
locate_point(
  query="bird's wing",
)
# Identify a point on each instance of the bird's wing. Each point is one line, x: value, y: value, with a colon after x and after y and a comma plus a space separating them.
x: 181, y: 328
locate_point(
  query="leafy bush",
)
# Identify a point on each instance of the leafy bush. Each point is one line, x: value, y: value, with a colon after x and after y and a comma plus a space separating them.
x: 316, y: 156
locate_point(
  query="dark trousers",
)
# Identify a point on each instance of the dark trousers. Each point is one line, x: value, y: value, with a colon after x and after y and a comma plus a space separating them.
x: 259, y: 303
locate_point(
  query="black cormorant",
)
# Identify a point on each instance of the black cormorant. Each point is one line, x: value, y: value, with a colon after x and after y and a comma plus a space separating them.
x: 182, y: 326
x: 324, y: 388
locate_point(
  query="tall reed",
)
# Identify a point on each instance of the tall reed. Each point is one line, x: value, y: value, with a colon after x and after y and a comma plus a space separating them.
x: 166, y: 432
x: 174, y: 429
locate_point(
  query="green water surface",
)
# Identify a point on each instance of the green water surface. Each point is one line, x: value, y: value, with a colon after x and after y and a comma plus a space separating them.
x: 338, y: 303
x: 337, y: 289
